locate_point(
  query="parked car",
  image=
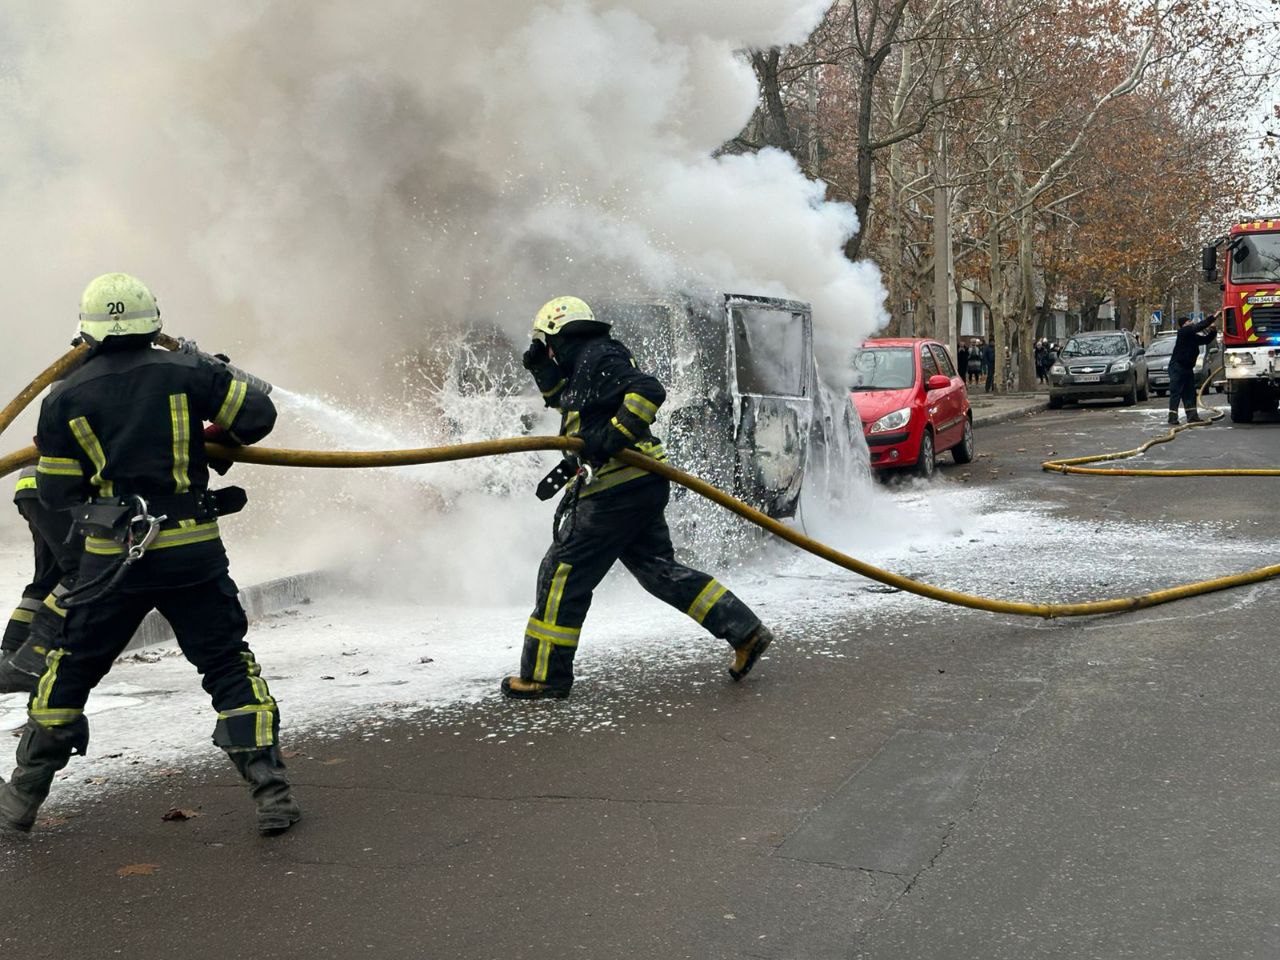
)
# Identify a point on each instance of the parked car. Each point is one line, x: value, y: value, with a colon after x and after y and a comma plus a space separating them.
x: 1095, y: 366
x: 912, y: 403
x: 1158, y: 355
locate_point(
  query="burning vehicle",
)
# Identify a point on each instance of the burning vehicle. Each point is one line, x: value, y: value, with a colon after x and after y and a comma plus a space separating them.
x: 745, y: 409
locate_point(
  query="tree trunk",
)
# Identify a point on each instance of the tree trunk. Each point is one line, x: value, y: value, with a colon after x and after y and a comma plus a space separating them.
x: 777, y: 130
x: 996, y: 257
x: 866, y: 160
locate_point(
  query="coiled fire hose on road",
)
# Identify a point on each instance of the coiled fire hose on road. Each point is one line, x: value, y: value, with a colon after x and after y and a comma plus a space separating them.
x: 490, y: 448
x: 1075, y: 464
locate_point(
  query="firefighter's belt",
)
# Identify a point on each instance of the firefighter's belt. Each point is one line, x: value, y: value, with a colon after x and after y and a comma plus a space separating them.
x: 108, y: 517
x: 554, y: 481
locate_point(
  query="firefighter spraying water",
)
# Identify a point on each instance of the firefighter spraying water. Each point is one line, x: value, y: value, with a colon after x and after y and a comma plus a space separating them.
x: 121, y: 445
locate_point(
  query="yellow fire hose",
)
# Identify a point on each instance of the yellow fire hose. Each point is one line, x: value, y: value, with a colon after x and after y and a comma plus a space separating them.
x: 488, y: 448
x: 1073, y: 464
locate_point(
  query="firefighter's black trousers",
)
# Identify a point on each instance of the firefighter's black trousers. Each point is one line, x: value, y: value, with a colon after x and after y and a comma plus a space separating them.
x: 210, y: 626
x: 1182, y: 387
x: 55, y: 562
x: 626, y: 524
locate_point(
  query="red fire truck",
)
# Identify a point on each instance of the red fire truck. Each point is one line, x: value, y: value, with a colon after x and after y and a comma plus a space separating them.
x: 1250, y: 280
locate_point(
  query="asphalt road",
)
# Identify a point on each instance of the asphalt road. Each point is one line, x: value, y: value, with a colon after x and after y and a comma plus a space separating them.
x: 967, y: 786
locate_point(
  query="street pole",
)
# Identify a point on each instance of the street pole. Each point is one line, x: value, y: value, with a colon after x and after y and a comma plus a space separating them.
x: 943, y: 264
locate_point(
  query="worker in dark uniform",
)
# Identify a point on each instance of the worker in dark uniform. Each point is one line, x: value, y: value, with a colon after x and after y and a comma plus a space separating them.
x: 35, y: 626
x: 604, y: 399
x: 121, y: 444
x: 1182, y: 365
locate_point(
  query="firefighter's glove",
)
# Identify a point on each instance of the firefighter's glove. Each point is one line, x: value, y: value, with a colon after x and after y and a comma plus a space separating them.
x: 536, y: 356
x: 600, y: 444
x: 215, y: 434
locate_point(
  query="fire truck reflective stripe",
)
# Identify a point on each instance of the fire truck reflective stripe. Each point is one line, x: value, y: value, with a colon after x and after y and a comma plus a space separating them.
x: 88, y: 441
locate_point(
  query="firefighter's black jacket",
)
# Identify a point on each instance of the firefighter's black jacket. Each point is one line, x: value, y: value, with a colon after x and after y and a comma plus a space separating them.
x: 604, y: 398
x: 1186, y: 347
x: 130, y: 422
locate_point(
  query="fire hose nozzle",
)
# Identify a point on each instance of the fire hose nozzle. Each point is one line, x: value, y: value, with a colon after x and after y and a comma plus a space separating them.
x: 256, y: 383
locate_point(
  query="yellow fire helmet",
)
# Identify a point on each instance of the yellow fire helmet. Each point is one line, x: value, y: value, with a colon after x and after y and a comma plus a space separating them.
x: 117, y: 305
x: 560, y: 313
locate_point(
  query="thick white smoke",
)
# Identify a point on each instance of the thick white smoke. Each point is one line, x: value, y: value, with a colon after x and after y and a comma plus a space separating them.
x: 319, y: 187
x: 310, y: 184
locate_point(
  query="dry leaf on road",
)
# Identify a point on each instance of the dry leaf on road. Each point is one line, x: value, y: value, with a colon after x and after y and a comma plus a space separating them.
x: 138, y: 870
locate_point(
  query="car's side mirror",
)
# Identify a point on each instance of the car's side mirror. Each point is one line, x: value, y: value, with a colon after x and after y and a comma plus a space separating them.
x: 1140, y: 353
x: 939, y: 382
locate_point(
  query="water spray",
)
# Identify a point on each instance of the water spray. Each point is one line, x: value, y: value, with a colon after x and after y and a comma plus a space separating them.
x: 345, y: 459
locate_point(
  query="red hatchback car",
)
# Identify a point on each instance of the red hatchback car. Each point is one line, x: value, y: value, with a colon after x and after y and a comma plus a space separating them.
x: 912, y: 403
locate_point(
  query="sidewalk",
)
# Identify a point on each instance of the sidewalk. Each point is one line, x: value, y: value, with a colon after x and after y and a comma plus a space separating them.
x: 989, y: 408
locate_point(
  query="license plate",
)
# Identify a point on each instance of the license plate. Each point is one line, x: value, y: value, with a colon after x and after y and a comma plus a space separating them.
x: 1089, y: 378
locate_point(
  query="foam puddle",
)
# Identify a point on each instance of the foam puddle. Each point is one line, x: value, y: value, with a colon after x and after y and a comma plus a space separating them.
x: 351, y: 665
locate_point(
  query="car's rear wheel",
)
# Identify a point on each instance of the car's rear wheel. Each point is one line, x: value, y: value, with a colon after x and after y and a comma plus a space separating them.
x: 962, y: 452
x: 928, y: 461
x: 1145, y: 392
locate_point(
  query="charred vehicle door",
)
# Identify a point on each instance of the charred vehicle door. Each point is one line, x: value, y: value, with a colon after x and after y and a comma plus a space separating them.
x: 771, y: 381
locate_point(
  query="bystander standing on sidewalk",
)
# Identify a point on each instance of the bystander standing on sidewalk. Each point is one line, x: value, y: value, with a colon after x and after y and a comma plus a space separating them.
x: 989, y: 365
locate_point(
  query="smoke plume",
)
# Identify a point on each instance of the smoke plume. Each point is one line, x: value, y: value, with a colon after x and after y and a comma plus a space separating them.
x: 320, y: 188
x: 311, y: 185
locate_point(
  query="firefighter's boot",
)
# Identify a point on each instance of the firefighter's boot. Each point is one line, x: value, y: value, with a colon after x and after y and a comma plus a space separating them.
x: 22, y: 671
x: 745, y: 656
x: 517, y: 688
x: 42, y: 752
x: 263, y: 770
x: 1173, y: 418
x: 1193, y: 416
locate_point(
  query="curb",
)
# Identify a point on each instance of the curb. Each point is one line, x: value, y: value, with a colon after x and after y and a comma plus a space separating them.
x: 993, y: 418
x: 258, y: 600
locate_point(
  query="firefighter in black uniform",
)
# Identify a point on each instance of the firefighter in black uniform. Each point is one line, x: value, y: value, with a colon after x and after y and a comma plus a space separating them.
x: 36, y: 624
x: 1192, y: 335
x: 604, y: 399
x: 121, y: 445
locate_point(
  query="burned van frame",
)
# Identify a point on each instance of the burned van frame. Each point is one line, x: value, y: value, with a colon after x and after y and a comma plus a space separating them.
x: 742, y: 388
